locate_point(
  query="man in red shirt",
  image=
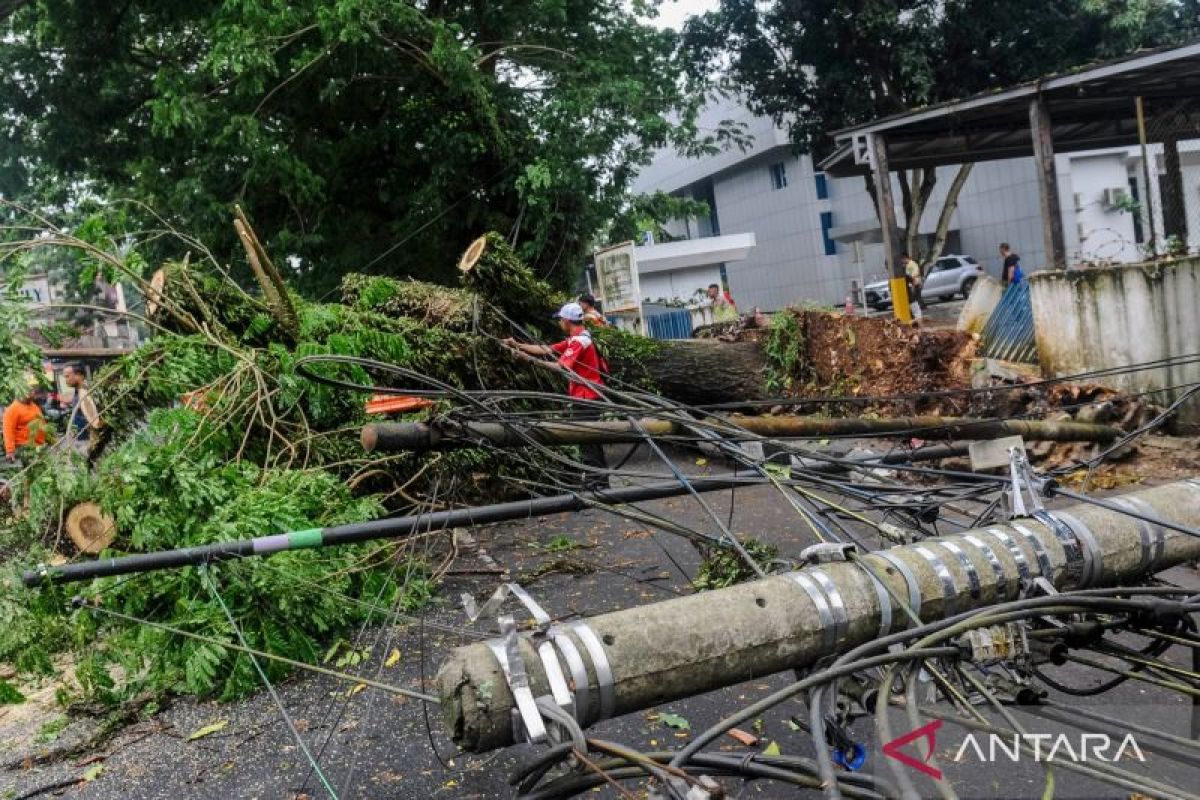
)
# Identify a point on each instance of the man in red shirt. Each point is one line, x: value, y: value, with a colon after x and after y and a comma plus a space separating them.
x: 577, y: 353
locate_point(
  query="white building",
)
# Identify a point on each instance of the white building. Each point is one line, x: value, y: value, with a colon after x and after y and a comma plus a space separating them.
x: 809, y: 228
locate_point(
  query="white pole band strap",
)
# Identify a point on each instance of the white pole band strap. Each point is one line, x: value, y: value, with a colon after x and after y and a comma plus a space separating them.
x: 576, y: 667
x: 910, y: 580
x: 1003, y: 585
x: 881, y: 594
x: 819, y: 601
x: 1045, y: 568
x: 944, y: 576
x: 840, y: 619
x: 604, y: 675
x: 1013, y: 549
x: 509, y: 658
x: 973, y: 584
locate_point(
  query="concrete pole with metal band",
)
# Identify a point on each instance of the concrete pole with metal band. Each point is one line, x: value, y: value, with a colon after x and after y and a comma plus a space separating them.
x: 634, y: 659
x: 397, y: 436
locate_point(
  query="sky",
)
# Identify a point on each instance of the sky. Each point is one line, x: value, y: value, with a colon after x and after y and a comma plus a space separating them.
x: 674, y: 12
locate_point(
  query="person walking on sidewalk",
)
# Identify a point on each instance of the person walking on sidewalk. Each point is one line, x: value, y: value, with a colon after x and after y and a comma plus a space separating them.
x: 577, y: 354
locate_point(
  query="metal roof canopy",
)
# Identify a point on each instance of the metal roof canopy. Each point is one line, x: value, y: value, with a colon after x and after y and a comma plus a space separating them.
x: 1089, y: 109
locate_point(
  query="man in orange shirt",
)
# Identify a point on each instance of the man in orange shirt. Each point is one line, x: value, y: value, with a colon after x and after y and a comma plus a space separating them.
x: 23, y: 421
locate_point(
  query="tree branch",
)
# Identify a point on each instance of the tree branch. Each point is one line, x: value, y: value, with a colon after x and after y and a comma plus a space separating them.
x: 943, y: 225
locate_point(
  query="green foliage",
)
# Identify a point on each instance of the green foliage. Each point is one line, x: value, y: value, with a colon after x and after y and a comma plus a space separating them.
x: 786, y: 352
x: 557, y: 544
x: 20, y: 358
x: 723, y: 568
x: 174, y: 483
x: 846, y: 62
x: 50, y: 730
x: 347, y: 127
x: 629, y: 356
x: 9, y: 694
x: 1128, y: 204
x: 649, y: 213
x: 215, y: 435
x: 56, y: 333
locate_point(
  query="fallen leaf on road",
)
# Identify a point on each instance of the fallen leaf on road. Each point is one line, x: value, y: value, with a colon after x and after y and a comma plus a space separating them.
x: 93, y: 772
x: 393, y: 659
x: 676, y: 721
x: 772, y: 749
x: 208, y: 730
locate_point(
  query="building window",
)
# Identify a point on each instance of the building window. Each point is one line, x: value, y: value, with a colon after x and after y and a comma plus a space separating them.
x: 826, y: 226
x: 822, y: 186
x: 1139, y: 236
x: 778, y: 175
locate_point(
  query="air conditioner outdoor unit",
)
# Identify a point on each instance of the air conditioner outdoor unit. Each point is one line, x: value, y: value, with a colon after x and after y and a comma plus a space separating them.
x: 1114, y: 196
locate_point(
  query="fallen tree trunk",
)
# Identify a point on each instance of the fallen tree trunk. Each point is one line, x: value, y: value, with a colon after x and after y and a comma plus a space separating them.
x: 390, y: 437
x: 702, y: 371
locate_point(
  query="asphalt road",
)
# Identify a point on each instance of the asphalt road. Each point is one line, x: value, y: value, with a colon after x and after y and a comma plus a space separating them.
x: 374, y: 745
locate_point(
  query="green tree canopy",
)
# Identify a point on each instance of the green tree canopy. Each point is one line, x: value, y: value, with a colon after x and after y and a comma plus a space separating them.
x: 820, y: 65
x: 358, y: 134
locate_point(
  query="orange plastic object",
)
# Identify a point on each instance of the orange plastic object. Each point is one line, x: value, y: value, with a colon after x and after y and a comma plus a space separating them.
x: 396, y: 404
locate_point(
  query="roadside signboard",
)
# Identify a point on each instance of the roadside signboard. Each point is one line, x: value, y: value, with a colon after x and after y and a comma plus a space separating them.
x: 616, y: 272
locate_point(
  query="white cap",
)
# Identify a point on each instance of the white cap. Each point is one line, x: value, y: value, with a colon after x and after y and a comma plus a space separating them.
x: 572, y: 312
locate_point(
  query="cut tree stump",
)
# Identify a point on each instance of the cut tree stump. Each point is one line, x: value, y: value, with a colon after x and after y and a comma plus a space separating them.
x: 90, y: 529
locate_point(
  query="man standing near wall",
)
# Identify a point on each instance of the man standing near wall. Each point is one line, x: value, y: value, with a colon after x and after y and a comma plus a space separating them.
x: 1010, y: 273
x: 912, y: 273
x: 722, y: 305
x: 83, y: 417
x: 591, y: 314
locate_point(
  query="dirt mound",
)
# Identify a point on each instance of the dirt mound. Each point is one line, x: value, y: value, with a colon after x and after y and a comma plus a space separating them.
x: 873, y: 357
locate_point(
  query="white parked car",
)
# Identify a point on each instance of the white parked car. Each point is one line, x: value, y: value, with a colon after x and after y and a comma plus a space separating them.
x: 949, y: 275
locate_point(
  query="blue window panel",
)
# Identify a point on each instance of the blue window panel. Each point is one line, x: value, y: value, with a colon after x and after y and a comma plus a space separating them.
x: 826, y: 225
x: 822, y: 186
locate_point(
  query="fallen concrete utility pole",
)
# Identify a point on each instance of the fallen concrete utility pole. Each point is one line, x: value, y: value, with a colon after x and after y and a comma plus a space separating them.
x: 394, y: 436
x: 642, y: 657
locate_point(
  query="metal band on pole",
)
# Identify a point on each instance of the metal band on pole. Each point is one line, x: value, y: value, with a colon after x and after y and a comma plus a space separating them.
x: 973, y: 583
x: 604, y: 675
x: 824, y: 612
x: 949, y: 589
x: 1014, y: 550
x: 910, y: 580
x: 838, y: 605
x: 881, y: 594
x: 578, y: 669
x: 1045, y: 567
x: 990, y: 556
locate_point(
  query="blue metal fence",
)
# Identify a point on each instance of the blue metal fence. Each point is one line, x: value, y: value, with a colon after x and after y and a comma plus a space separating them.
x: 1008, y: 334
x: 670, y: 325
